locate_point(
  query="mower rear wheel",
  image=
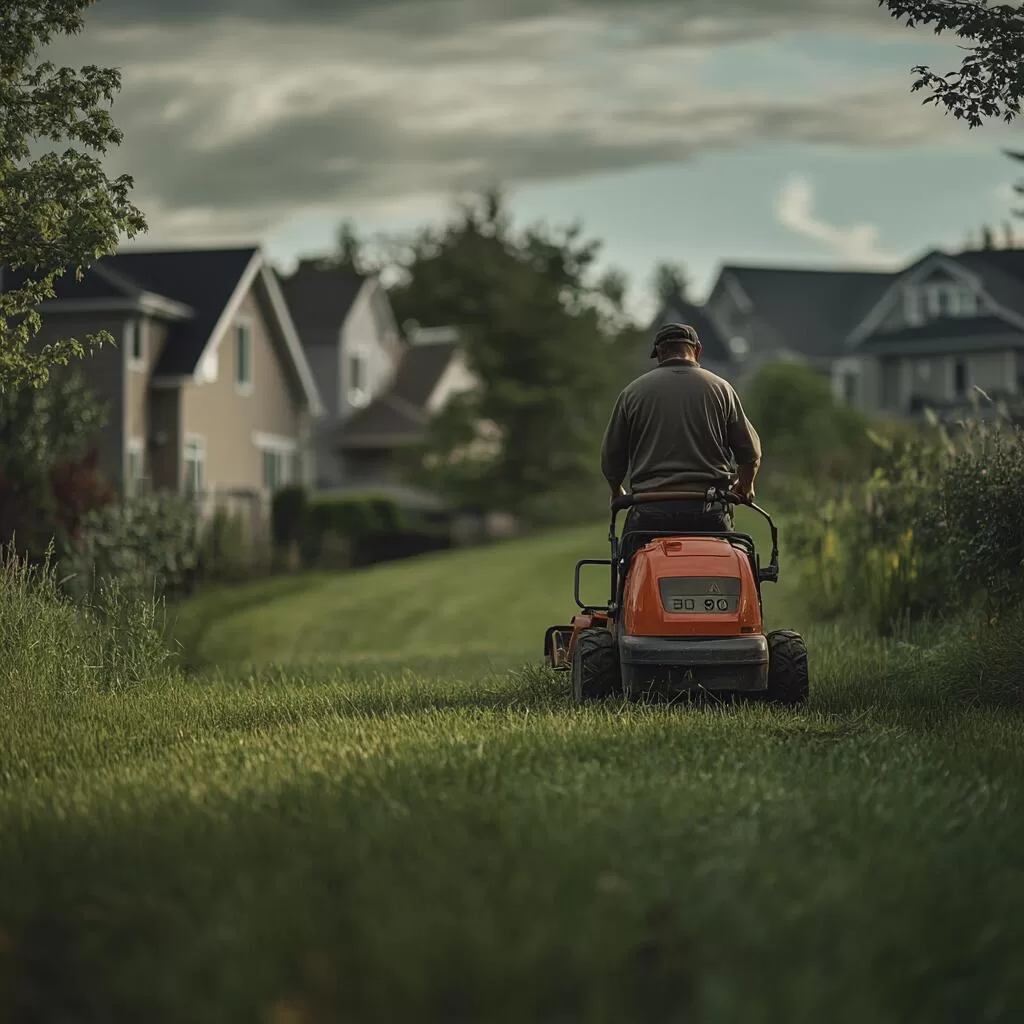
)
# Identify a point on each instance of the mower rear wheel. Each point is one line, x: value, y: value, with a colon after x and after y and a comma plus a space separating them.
x: 788, y: 680
x: 595, y: 666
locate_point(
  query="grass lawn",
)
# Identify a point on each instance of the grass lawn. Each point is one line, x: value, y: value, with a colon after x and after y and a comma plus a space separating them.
x: 373, y: 805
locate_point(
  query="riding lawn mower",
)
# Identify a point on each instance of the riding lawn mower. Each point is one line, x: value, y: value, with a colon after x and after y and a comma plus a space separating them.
x: 684, y: 618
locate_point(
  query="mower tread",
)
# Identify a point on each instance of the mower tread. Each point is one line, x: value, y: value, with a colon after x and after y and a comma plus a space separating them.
x: 788, y: 679
x: 595, y: 666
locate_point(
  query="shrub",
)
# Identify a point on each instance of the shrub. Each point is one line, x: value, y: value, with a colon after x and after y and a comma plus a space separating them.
x: 289, y: 512
x: 805, y: 431
x: 147, y: 544
x: 938, y: 527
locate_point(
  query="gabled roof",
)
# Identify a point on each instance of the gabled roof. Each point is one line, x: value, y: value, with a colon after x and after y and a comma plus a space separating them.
x: 321, y: 298
x: 421, y: 369
x: 999, y: 273
x: 811, y: 311
x: 679, y: 310
x: 196, y: 290
x: 399, y: 415
x: 386, y: 422
x: 1002, y: 271
x: 204, y: 279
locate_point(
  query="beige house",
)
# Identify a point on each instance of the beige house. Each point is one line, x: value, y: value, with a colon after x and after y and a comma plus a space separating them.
x: 208, y: 389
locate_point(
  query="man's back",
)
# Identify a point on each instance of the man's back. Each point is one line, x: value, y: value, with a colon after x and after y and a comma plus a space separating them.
x: 678, y: 427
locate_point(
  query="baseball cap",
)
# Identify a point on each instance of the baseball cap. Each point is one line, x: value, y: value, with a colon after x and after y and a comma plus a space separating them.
x: 672, y: 332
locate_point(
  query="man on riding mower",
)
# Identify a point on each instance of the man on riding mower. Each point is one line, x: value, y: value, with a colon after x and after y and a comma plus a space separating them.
x: 679, y: 428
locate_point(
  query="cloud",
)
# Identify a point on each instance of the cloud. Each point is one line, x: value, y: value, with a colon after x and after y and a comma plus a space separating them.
x: 859, y: 243
x: 241, y: 114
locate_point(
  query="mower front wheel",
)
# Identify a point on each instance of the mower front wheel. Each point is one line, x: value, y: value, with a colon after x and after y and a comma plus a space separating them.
x: 595, y: 666
x: 788, y: 680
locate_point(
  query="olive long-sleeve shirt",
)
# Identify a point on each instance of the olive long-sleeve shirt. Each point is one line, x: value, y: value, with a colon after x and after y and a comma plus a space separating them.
x: 677, y: 427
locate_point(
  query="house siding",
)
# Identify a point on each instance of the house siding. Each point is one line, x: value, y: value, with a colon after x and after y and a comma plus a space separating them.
x: 227, y: 419
x: 364, y: 334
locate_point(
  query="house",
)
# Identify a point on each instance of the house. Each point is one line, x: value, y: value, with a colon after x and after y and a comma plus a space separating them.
x: 352, y: 342
x: 431, y: 371
x: 754, y: 315
x: 208, y: 389
x: 946, y: 325
x: 892, y: 343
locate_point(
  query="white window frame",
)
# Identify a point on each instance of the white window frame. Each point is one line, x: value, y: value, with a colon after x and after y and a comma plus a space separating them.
x: 357, y: 397
x: 284, y: 448
x: 134, y: 449
x: 243, y: 327
x: 913, y: 306
x: 198, y: 443
x: 134, y: 337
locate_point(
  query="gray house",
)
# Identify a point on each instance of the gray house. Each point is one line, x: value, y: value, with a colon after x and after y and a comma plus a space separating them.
x: 892, y: 343
x: 946, y: 325
x: 755, y: 315
x: 353, y: 344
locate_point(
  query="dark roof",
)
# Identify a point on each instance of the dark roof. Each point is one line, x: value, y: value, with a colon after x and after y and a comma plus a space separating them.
x: 420, y: 369
x: 713, y: 342
x: 1002, y: 270
x: 935, y: 332
x: 811, y: 311
x: 400, y: 413
x: 320, y: 299
x: 204, y: 279
x: 386, y: 421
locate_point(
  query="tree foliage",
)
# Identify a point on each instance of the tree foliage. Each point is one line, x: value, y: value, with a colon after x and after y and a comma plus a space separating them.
x: 48, y: 475
x: 805, y: 430
x: 990, y: 81
x: 59, y: 210
x: 541, y: 331
x: 670, y: 283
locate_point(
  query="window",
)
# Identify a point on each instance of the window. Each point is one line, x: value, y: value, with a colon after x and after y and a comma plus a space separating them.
x: 243, y: 356
x: 357, y: 384
x: 850, y: 387
x: 960, y: 378
x: 134, y: 469
x: 279, y: 457
x: 940, y: 300
x: 913, y: 312
x: 134, y: 344
x: 273, y: 470
x: 924, y: 369
x: 195, y: 462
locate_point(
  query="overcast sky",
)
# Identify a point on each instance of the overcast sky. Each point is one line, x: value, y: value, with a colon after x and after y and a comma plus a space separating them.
x: 697, y: 130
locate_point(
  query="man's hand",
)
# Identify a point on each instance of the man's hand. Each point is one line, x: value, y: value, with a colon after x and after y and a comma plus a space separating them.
x: 744, y: 485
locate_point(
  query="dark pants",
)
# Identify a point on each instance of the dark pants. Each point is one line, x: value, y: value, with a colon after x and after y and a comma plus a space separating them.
x: 671, y: 517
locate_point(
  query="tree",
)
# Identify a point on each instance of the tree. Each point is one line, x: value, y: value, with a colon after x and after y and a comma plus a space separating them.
x: 670, y: 283
x: 540, y: 334
x: 48, y: 475
x: 989, y: 82
x: 1019, y: 187
x: 59, y: 211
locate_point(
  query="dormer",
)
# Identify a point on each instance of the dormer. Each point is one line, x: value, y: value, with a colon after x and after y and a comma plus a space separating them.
x: 945, y: 298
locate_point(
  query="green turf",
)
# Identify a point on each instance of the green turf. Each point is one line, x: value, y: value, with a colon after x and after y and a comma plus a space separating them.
x: 392, y: 814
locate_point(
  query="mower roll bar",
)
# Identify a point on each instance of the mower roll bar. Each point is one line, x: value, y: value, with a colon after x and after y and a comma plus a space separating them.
x: 766, y: 574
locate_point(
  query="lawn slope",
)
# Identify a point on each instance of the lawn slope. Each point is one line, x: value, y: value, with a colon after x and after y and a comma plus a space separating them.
x: 363, y: 814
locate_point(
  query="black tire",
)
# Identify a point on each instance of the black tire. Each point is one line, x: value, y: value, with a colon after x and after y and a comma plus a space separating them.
x: 788, y: 679
x: 595, y: 666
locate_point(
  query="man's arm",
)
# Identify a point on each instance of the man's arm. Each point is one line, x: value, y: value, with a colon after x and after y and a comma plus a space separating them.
x: 746, y: 447
x: 615, y: 447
